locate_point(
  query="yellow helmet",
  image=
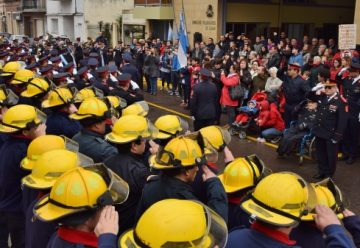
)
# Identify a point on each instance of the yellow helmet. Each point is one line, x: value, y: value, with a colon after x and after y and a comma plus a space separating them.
x: 88, y: 92
x: 179, y: 152
x: 7, y: 96
x: 49, y: 167
x: 242, y: 173
x: 117, y: 102
x: 281, y: 199
x: 92, y: 108
x: 138, y: 108
x: 177, y: 223
x: 327, y: 194
x: 11, y: 68
x: 130, y: 128
x: 170, y: 126
x: 21, y: 117
x: 22, y: 76
x: 35, y: 87
x: 217, y: 136
x: 81, y: 189
x: 59, y: 96
x: 36, y: 148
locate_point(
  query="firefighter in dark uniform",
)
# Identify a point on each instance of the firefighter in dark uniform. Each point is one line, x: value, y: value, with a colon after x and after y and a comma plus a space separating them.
x: 23, y: 123
x: 351, y: 91
x: 306, y: 234
x: 239, y: 177
x: 275, y: 215
x: 131, y: 69
x: 80, y: 200
x: 204, y: 101
x: 60, y: 102
x: 38, y: 233
x: 295, y: 89
x: 92, y: 114
x: 178, y: 165
x: 103, y: 84
x: 92, y: 64
x: 130, y: 134
x: 329, y: 127
x: 125, y: 91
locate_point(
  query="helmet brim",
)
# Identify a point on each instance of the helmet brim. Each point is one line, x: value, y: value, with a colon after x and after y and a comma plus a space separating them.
x: 28, y: 94
x: 127, y: 238
x: 6, y: 129
x: 265, y: 215
x: 46, y: 211
x: 228, y: 189
x: 37, y: 183
x: 27, y: 164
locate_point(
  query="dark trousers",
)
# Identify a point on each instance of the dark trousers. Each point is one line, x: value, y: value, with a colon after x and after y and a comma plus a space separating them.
x: 165, y: 78
x: 174, y: 80
x: 186, y: 92
x: 350, y: 141
x: 148, y: 84
x: 288, y: 116
x: 198, y: 124
x: 291, y: 138
x: 326, y: 153
x: 231, y: 113
x: 14, y: 223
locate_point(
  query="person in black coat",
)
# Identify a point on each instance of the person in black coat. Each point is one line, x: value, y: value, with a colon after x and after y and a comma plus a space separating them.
x: 216, y: 79
x: 131, y: 69
x: 329, y: 127
x: 125, y: 91
x: 275, y: 59
x: 176, y: 175
x: 306, y: 117
x: 351, y: 91
x: 204, y: 102
x: 129, y: 163
x: 295, y: 89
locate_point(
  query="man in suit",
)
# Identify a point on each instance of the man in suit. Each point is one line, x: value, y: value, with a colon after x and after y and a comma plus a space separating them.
x: 203, y: 104
x: 131, y: 69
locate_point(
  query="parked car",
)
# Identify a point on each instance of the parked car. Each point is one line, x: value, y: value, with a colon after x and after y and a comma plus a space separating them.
x: 19, y: 37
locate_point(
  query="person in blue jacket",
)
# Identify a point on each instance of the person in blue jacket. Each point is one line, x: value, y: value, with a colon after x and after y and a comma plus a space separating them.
x: 61, y: 104
x: 79, y: 200
x: 276, y: 206
x: 23, y: 123
x: 239, y: 177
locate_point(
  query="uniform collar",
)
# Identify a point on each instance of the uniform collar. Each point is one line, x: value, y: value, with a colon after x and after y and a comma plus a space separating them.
x: 78, y: 237
x: 91, y: 133
x: 274, y: 234
x: 356, y: 79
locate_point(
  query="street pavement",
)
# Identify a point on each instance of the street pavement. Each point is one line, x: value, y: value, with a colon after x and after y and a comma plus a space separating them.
x: 347, y: 177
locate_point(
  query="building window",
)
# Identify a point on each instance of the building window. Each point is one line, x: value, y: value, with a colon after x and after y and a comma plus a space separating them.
x: 55, y: 25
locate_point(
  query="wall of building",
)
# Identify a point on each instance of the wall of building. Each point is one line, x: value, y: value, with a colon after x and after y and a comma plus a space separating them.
x: 196, y: 18
x: 275, y: 14
x: 107, y: 11
x: 357, y: 21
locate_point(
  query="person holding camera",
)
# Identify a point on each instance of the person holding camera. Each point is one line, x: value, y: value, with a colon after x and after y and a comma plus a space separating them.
x: 152, y: 61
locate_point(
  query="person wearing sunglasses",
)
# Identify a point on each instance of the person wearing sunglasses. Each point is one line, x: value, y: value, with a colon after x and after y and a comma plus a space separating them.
x: 61, y: 104
x: 22, y: 123
x: 331, y: 119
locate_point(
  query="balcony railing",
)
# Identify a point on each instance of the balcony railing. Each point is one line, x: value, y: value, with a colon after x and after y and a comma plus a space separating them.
x: 34, y: 5
x: 153, y: 2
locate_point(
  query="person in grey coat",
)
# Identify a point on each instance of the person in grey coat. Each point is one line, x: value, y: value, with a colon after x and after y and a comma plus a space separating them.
x: 152, y: 62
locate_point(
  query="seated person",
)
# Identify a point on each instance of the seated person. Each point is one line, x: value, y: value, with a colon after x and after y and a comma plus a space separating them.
x: 306, y: 115
x: 246, y: 112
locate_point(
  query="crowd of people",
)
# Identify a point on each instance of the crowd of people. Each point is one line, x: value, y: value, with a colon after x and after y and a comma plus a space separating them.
x: 81, y: 165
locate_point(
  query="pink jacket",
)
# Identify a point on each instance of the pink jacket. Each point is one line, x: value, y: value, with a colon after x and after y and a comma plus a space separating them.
x: 229, y: 81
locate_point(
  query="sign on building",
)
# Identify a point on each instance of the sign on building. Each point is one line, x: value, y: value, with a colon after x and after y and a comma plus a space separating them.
x: 347, y: 36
